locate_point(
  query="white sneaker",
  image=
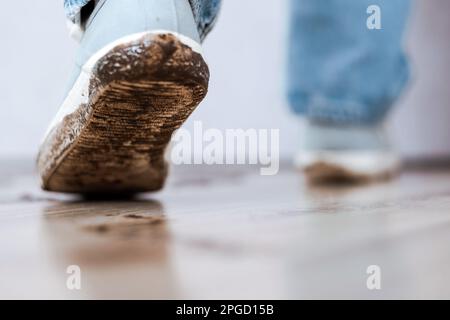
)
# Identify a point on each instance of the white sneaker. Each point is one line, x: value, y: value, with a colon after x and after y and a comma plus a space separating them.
x: 334, y: 153
x: 139, y: 74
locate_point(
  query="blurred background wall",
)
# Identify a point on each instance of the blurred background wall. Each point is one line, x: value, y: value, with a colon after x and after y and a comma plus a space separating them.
x: 246, y: 53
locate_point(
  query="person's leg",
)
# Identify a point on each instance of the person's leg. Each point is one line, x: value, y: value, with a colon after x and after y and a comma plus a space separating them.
x: 139, y: 73
x: 344, y: 78
x: 205, y: 12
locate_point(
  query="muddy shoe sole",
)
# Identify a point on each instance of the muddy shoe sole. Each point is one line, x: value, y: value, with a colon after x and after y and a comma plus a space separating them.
x: 118, y: 119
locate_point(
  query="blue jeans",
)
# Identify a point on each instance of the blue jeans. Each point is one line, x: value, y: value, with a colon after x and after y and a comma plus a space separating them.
x: 339, y: 70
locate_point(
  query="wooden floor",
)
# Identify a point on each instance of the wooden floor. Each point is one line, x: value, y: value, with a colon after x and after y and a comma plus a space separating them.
x: 228, y: 233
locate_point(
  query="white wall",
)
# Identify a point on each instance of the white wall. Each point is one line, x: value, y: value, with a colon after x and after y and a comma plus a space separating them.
x: 420, y: 124
x: 246, y: 54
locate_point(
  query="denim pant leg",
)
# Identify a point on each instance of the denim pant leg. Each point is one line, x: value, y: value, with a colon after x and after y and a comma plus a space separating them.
x: 205, y: 12
x: 339, y: 71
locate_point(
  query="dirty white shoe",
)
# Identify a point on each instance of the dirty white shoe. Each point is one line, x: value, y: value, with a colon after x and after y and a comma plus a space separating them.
x: 343, y: 153
x: 139, y: 74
